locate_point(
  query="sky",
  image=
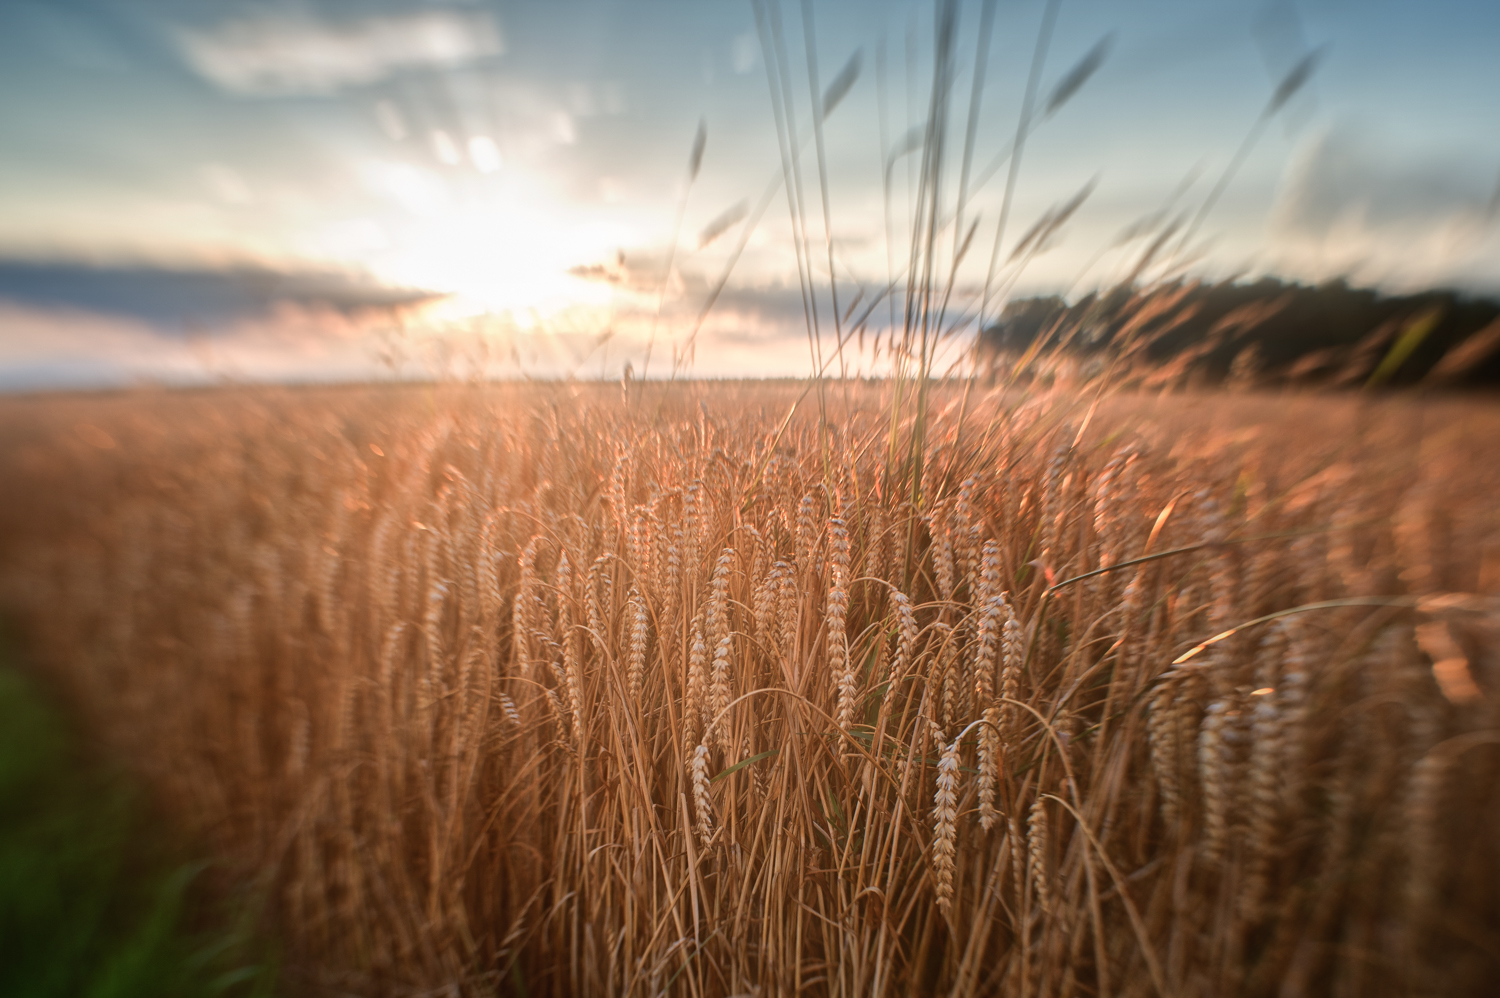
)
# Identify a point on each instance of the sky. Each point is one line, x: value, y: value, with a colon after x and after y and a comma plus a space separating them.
x: 300, y: 191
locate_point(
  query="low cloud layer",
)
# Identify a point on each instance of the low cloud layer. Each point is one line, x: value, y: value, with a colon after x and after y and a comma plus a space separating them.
x: 70, y: 325
x: 65, y: 324
x: 171, y: 299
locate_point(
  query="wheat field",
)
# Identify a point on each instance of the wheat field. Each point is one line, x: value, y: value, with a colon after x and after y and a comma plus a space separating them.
x: 553, y: 690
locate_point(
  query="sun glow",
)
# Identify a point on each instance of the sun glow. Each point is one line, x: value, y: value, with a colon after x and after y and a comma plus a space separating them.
x: 504, y: 252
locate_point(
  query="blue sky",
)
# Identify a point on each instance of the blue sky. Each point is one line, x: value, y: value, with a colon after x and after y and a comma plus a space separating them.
x: 529, y: 160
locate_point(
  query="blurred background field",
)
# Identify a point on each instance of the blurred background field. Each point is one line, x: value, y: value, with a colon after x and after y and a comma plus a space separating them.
x: 96, y: 895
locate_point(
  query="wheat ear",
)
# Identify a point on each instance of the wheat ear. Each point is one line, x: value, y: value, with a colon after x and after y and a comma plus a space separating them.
x: 701, y: 803
x: 945, y: 825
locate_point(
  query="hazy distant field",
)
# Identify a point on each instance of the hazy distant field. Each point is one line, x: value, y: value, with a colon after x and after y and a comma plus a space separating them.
x: 552, y: 689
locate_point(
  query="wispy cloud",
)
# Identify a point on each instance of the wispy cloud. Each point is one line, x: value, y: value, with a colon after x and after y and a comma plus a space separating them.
x: 293, y: 51
x: 1353, y: 207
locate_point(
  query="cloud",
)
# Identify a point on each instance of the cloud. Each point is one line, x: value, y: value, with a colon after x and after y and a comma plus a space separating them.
x: 291, y: 51
x: 639, y: 271
x: 50, y: 347
x: 1342, y: 175
x: 174, y: 299
x: 70, y: 325
x: 1350, y: 206
x: 747, y: 309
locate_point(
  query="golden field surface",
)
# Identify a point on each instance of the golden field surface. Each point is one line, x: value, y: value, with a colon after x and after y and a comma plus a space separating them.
x: 555, y: 690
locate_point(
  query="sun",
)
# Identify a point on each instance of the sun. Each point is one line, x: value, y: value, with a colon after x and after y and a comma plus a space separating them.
x: 506, y: 253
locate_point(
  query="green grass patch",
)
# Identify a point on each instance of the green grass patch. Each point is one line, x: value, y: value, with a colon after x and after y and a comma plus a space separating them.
x: 92, y: 902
